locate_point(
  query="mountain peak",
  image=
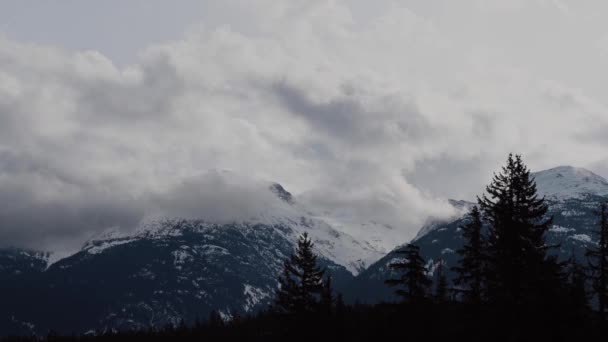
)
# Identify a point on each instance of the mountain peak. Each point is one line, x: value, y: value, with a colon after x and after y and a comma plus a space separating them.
x: 569, y: 182
x: 283, y: 194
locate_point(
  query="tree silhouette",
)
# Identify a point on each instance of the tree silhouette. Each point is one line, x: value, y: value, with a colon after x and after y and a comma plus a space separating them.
x: 441, y: 286
x: 471, y: 266
x: 598, y: 261
x: 578, y: 299
x: 519, y: 269
x: 413, y: 276
x: 301, y: 282
x: 327, y: 297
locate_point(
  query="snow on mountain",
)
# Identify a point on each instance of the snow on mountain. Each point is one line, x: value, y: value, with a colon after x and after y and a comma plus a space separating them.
x: 15, y: 261
x: 573, y: 194
x: 330, y: 243
x: 272, y: 206
x: 219, y: 242
x: 557, y: 184
x: 461, y: 207
x: 341, y: 235
x: 569, y: 182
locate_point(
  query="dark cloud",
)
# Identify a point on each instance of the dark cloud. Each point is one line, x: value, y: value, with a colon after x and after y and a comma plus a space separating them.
x: 146, y: 96
x: 347, y: 119
x: 61, y: 221
x: 447, y: 177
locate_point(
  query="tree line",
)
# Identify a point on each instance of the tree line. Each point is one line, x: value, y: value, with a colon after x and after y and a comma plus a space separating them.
x: 505, y: 269
x: 505, y: 261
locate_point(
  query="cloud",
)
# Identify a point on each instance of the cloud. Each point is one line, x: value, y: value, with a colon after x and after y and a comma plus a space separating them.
x: 219, y: 196
x: 382, y: 109
x: 47, y: 208
x: 355, y: 119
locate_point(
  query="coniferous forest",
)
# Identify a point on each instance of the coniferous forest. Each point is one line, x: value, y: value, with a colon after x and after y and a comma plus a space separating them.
x: 508, y: 286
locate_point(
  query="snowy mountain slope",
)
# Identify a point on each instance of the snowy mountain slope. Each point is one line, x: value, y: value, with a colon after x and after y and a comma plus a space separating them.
x: 171, y: 268
x: 186, y: 264
x: 573, y: 195
x: 335, y: 245
x: 19, y: 262
x: 341, y: 238
x: 182, y: 269
x: 462, y: 207
x: 566, y: 182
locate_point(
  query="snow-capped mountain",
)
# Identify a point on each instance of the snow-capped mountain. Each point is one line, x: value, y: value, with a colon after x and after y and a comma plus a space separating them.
x: 171, y: 268
x: 182, y: 269
x: 334, y: 236
x: 573, y: 196
x: 567, y: 182
x: 185, y: 265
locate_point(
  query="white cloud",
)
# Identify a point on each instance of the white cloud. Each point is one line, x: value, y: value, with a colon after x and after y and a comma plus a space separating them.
x: 382, y: 108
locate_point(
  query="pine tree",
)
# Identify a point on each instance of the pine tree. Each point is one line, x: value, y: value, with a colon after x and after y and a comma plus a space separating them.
x: 441, y: 286
x: 576, y: 286
x: 413, y: 278
x: 301, y: 282
x: 519, y: 270
x: 340, y: 305
x: 471, y: 266
x: 598, y: 261
x: 327, y: 297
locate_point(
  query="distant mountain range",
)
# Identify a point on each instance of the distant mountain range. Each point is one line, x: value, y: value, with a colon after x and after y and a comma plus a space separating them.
x: 174, y: 268
x: 573, y: 196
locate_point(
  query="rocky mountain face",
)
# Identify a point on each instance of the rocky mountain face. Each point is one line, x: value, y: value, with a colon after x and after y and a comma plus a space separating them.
x: 15, y: 263
x: 573, y: 196
x: 184, y: 270
x: 171, y: 269
x: 174, y: 268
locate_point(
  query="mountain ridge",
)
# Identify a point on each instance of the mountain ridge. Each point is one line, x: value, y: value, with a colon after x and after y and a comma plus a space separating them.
x: 572, y: 194
x: 169, y: 268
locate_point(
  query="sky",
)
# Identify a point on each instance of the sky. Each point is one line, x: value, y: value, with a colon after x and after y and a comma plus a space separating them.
x: 114, y: 110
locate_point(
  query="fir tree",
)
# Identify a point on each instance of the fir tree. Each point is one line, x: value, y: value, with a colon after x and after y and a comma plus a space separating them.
x: 327, y: 297
x: 413, y: 276
x: 470, y: 269
x: 340, y: 305
x: 576, y: 288
x: 519, y: 270
x: 301, y: 282
x: 441, y: 286
x: 598, y: 261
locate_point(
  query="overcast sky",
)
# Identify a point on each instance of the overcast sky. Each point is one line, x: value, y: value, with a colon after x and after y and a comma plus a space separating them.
x: 107, y: 104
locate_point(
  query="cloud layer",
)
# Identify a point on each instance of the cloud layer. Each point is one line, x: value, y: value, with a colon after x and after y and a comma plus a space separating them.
x: 387, y: 108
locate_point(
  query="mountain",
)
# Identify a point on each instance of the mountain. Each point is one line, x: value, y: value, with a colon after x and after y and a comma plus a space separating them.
x: 170, y: 269
x: 183, y: 266
x: 184, y: 269
x: 573, y: 195
x: 16, y: 262
x: 567, y: 182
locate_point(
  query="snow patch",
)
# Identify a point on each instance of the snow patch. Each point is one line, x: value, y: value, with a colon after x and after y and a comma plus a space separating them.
x: 581, y: 237
x: 100, y: 246
x: 561, y: 230
x: 212, y: 250
x: 225, y: 315
x: 253, y: 296
x: 570, y: 213
x: 180, y: 257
